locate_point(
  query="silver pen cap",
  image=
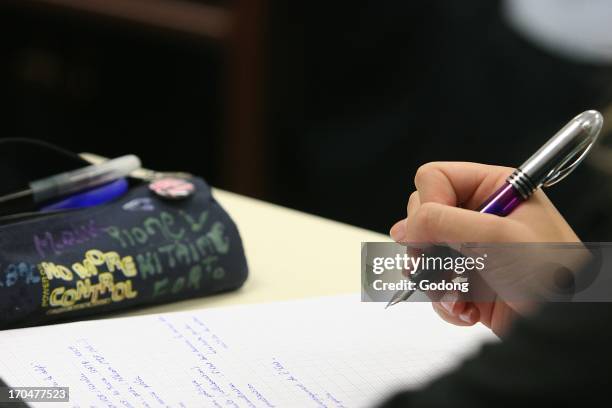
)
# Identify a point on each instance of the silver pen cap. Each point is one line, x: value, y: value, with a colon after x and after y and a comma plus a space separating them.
x: 559, y: 156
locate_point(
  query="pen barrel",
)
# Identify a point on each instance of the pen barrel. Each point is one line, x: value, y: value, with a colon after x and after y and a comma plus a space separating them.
x: 503, y: 201
x: 82, y: 179
x: 560, y: 155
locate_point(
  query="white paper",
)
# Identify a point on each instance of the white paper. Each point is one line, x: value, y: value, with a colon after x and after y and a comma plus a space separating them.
x: 326, y: 352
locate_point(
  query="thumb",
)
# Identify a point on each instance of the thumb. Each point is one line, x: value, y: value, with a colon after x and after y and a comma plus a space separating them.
x: 437, y: 223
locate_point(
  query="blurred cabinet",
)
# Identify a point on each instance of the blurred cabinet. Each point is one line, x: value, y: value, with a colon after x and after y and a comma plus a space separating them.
x: 202, y: 59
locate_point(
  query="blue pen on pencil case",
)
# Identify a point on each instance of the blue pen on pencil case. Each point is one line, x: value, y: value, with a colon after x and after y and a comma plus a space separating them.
x: 75, y: 181
x: 96, y: 196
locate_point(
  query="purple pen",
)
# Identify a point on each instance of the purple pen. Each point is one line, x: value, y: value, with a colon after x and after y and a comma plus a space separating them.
x: 550, y: 164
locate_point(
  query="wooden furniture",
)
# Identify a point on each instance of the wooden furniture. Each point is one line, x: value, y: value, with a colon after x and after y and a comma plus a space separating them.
x: 236, y: 27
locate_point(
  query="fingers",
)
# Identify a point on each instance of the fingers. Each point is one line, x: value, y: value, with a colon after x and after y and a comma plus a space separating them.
x: 456, y: 311
x: 451, y: 303
x: 398, y: 230
x: 437, y: 223
x: 433, y: 216
x: 468, y: 316
x: 540, y: 214
x: 414, y: 202
x: 498, y: 317
x: 458, y: 183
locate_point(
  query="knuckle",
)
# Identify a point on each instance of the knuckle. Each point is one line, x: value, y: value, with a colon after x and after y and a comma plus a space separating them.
x: 428, y: 218
x: 423, y: 171
x: 412, y: 200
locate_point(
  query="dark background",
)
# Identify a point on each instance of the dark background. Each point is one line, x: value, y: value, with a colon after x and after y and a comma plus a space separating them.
x: 328, y: 107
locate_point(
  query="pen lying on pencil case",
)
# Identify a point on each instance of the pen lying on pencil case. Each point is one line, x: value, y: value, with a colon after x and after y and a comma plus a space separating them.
x: 64, y: 184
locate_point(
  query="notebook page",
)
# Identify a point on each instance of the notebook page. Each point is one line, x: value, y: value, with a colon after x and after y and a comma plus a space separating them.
x: 325, y: 352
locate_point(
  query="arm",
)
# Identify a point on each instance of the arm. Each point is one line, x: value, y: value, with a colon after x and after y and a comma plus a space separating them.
x: 558, y: 354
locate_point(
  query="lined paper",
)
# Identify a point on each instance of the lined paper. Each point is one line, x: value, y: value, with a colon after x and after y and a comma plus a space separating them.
x: 325, y: 352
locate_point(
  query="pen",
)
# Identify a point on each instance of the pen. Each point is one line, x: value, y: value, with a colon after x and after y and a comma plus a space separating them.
x: 61, y: 185
x: 554, y: 161
x: 90, y: 197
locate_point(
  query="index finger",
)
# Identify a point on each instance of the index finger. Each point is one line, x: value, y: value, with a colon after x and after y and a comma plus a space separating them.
x: 462, y: 184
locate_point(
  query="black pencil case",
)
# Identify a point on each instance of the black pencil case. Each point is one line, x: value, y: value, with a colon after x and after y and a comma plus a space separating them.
x: 138, y: 250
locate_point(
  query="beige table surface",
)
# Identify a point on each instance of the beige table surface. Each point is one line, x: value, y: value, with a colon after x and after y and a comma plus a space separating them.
x: 290, y: 255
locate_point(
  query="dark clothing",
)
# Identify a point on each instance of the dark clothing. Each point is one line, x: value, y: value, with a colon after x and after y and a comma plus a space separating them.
x: 561, y: 356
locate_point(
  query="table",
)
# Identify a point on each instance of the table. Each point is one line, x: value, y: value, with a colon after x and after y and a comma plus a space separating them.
x: 290, y: 255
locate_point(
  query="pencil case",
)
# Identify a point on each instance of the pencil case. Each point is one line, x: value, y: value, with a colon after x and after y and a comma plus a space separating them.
x: 138, y: 250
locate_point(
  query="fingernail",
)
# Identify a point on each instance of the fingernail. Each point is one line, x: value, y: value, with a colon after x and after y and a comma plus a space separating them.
x: 448, y: 302
x: 398, y: 231
x: 466, y: 316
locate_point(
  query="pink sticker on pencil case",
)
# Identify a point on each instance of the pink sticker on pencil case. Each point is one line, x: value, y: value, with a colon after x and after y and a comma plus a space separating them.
x: 172, y: 188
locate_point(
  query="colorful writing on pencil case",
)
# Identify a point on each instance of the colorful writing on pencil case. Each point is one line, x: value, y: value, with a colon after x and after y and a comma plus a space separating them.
x: 197, y: 255
x: 111, y: 257
x: 98, y: 264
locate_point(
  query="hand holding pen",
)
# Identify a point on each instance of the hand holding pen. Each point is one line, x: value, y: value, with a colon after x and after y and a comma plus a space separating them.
x: 434, y: 215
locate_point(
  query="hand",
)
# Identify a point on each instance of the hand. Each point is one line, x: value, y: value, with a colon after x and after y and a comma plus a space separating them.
x: 441, y: 210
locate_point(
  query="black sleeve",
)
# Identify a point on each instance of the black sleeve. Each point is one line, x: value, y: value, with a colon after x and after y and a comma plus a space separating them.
x: 561, y: 356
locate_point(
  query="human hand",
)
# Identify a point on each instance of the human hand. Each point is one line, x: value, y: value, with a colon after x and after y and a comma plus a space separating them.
x: 441, y: 211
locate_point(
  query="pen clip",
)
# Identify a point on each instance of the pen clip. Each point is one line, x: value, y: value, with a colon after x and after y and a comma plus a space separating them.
x: 574, y: 158
x: 561, y: 154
